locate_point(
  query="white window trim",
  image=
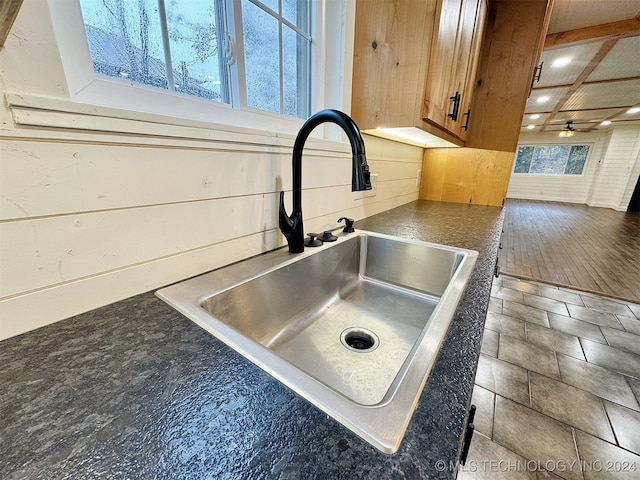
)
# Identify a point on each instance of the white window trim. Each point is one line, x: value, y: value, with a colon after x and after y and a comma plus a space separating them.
x: 86, y: 88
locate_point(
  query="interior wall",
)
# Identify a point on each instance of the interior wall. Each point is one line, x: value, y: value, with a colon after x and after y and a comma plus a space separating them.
x: 466, y: 175
x: 617, y: 175
x: 611, y: 167
x: 560, y: 188
x: 95, y: 207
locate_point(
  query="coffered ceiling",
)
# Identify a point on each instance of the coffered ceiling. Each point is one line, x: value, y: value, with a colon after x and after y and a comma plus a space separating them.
x: 590, y: 67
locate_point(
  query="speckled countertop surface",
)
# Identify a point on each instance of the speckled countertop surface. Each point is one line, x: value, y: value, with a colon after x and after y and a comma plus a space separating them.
x: 135, y: 390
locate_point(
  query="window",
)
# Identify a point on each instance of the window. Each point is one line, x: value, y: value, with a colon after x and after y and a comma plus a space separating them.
x: 190, y: 47
x: 277, y: 52
x: 551, y: 159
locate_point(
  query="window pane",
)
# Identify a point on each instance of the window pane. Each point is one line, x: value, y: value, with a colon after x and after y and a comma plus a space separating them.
x: 194, y: 48
x: 295, y: 51
x: 577, y: 159
x: 298, y: 13
x: 125, y: 40
x: 128, y: 38
x: 272, y: 4
x: 262, y: 61
x: 549, y: 159
x: 523, y: 160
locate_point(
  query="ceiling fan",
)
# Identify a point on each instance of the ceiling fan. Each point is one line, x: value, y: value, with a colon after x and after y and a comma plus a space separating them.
x: 568, y: 130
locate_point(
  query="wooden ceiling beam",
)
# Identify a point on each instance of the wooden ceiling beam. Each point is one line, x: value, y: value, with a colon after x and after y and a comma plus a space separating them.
x: 595, y: 61
x: 593, y: 82
x: 607, y: 31
x: 8, y: 13
x: 616, y: 107
x: 618, y: 115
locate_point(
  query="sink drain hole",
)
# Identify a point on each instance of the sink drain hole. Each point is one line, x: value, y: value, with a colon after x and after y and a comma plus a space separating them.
x: 359, y: 339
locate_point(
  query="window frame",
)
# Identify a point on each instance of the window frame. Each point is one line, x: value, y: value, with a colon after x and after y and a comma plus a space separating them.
x: 86, y: 87
x: 557, y: 175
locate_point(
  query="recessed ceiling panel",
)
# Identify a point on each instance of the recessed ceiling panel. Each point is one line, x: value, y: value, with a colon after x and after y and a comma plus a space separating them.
x: 536, y: 104
x: 604, y: 95
x: 527, y: 120
x: 613, y: 85
x: 623, y: 61
x: 556, y: 72
x: 629, y: 116
x: 573, y: 14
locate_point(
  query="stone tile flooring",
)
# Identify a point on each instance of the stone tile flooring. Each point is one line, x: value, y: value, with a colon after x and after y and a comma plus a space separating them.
x: 557, y: 389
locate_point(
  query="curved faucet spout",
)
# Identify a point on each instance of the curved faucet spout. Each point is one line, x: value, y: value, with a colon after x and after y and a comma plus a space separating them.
x: 291, y: 226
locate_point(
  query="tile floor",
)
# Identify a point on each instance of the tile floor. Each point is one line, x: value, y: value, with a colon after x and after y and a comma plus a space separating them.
x: 557, y: 389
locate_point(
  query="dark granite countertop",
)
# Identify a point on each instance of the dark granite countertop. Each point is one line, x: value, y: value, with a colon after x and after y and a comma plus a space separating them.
x: 135, y: 390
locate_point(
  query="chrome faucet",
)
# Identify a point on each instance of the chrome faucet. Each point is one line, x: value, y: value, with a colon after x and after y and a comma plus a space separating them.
x: 291, y: 226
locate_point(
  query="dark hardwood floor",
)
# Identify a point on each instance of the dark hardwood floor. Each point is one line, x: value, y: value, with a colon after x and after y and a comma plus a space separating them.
x: 591, y: 249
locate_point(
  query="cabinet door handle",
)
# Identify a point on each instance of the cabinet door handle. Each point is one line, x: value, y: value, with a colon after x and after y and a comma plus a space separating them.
x: 456, y: 106
x: 537, y: 71
x: 466, y: 124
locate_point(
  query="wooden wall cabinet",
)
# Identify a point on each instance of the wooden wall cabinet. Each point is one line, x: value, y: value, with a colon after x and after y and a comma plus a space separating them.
x: 410, y: 58
x: 480, y: 172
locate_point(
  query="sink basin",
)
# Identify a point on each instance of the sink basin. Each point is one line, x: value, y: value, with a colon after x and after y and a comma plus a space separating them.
x: 353, y: 326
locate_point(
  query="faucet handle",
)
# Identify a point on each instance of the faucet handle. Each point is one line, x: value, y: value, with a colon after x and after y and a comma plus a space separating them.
x: 312, y: 241
x: 328, y: 236
x: 348, y: 224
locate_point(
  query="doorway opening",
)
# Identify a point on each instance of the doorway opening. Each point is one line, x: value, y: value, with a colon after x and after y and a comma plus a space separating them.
x: 634, y: 203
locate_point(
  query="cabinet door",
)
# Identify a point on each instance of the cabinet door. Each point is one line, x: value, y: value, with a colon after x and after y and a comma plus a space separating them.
x: 437, y: 104
x: 462, y: 61
x: 453, y: 65
x: 473, y: 22
x: 391, y: 55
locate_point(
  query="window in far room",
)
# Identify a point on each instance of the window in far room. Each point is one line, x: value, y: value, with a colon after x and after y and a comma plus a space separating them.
x: 551, y: 159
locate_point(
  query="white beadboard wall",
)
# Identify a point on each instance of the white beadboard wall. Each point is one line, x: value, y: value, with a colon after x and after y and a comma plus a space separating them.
x: 618, y: 174
x: 97, y: 204
x: 87, y: 219
x: 609, y: 177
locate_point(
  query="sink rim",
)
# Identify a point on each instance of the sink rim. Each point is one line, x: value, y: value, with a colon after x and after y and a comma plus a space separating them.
x: 383, y: 425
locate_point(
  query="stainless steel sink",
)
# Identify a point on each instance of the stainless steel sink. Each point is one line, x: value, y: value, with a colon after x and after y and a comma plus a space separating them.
x: 353, y: 326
